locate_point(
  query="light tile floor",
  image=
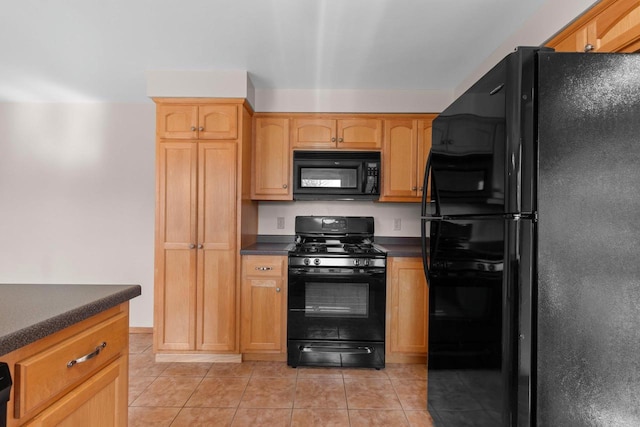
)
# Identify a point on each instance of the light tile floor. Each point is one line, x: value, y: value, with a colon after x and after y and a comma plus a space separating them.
x: 271, y: 393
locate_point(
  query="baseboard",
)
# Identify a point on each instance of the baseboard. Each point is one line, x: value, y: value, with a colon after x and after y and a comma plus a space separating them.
x: 191, y: 357
x: 140, y: 330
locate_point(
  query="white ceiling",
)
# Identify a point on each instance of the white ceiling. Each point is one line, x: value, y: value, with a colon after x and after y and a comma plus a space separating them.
x: 99, y: 50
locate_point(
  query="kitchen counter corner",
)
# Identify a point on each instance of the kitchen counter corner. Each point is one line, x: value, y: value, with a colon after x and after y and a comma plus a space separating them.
x: 29, y: 312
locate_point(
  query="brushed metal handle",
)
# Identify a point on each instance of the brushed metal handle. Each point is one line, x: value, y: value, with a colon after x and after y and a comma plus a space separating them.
x: 193, y: 128
x: 201, y: 128
x: 589, y: 47
x: 284, y: 185
x: 94, y: 353
x: 277, y: 289
x: 264, y: 268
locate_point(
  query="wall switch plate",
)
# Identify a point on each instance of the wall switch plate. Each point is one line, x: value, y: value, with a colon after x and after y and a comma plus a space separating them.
x: 397, y: 224
x: 280, y: 225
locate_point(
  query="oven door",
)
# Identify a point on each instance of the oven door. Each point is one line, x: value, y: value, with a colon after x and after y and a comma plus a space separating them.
x: 336, y: 317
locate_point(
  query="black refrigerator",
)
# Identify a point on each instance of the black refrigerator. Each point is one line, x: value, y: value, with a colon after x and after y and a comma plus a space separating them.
x: 531, y: 245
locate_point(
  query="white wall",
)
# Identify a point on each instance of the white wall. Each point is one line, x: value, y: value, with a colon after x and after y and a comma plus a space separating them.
x: 384, y: 214
x: 550, y: 18
x: 77, y: 196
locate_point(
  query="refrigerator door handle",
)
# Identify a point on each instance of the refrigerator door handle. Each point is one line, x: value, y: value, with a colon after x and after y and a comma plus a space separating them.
x: 423, y: 240
x: 423, y: 214
x: 425, y: 190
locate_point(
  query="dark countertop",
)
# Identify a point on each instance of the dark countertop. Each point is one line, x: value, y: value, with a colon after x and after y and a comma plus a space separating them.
x: 31, y: 312
x: 280, y: 245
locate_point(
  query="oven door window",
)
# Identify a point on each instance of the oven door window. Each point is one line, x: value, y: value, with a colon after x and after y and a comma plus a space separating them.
x: 328, y: 177
x: 345, y: 300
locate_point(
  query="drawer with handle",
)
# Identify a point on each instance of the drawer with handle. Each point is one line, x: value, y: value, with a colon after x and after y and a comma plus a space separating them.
x: 262, y: 265
x: 45, y: 376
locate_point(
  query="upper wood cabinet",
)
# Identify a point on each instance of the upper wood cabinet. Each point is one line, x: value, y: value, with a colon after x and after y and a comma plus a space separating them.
x: 609, y: 26
x: 271, y: 160
x: 404, y: 156
x: 176, y: 121
x: 353, y: 133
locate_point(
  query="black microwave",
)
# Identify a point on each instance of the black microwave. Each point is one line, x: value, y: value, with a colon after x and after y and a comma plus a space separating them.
x: 336, y: 175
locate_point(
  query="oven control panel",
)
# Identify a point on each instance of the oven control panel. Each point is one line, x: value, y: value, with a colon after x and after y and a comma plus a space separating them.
x: 337, y: 262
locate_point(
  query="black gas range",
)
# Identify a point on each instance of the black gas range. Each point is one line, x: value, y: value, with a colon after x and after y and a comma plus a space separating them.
x: 337, y: 293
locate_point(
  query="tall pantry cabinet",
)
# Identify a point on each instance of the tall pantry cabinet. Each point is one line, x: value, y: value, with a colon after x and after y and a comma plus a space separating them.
x: 203, y: 216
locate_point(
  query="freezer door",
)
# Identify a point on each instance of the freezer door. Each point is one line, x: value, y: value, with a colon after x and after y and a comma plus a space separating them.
x: 589, y: 240
x: 468, y: 149
x: 482, y: 155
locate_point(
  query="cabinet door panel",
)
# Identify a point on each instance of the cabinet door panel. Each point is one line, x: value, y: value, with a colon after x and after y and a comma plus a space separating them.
x: 175, y: 273
x: 314, y: 133
x: 409, y: 306
x: 400, y: 150
x: 271, y: 160
x: 617, y: 28
x: 218, y: 122
x: 177, y: 175
x: 262, y: 303
x: 217, y: 300
x: 360, y: 133
x: 101, y: 401
x: 217, y: 257
x: 177, y: 121
x: 217, y: 195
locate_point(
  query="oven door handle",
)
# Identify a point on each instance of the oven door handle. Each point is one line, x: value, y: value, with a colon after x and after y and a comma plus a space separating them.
x: 330, y: 349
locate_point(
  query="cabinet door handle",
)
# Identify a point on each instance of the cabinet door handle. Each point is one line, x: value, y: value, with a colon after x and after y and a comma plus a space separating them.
x: 200, y: 246
x: 340, y: 140
x: 192, y: 246
x: 414, y: 188
x: 94, y: 353
x: 193, y: 128
x: 333, y: 139
x: 277, y: 289
x: 264, y: 268
x: 284, y: 185
x: 589, y: 47
x: 201, y: 128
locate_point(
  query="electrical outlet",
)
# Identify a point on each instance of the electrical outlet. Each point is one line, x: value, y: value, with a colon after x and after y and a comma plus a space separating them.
x: 397, y: 224
x: 280, y: 223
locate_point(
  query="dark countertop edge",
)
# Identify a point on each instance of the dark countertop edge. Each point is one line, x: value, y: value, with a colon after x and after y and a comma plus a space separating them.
x: 37, y: 331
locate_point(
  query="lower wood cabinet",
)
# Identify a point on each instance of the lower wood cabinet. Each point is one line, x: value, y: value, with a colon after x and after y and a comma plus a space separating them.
x: 264, y: 307
x: 407, y: 311
x: 94, y: 403
x: 75, y: 377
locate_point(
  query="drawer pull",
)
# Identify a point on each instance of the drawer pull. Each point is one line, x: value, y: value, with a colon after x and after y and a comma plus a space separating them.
x: 264, y: 268
x: 86, y: 357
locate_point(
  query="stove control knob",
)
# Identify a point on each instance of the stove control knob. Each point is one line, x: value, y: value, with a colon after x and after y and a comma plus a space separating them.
x: 306, y: 261
x: 366, y: 263
x: 356, y: 262
x: 316, y: 261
